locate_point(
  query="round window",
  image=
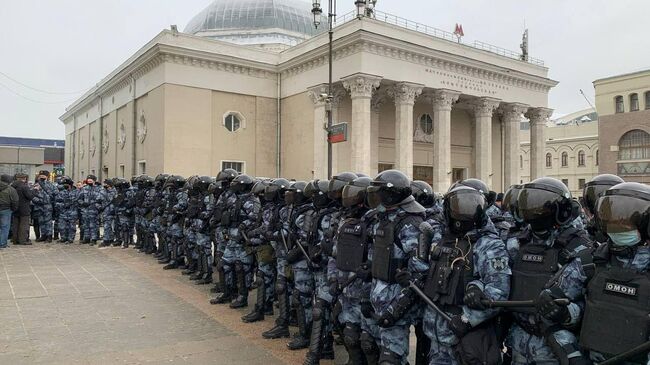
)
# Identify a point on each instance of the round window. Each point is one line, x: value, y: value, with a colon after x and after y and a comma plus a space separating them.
x: 232, y: 122
x: 426, y: 124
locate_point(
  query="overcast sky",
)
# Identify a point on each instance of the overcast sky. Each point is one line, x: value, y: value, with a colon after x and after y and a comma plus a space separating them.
x: 64, y: 46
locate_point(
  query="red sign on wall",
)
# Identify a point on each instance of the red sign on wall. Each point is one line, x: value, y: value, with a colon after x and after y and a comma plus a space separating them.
x: 338, y: 133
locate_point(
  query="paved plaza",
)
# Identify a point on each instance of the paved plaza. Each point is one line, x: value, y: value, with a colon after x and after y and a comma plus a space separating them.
x: 76, y: 304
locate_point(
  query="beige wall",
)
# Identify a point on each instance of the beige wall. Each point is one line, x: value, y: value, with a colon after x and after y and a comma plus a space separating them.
x: 624, y: 85
x: 297, y: 140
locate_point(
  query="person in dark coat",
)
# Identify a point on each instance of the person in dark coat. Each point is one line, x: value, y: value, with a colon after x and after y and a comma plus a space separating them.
x: 20, y: 226
x: 8, y: 204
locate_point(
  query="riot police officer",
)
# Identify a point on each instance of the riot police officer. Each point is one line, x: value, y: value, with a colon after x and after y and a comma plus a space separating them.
x: 200, y: 225
x: 91, y: 203
x: 548, y: 268
x: 108, y: 213
x: 175, y: 209
x: 66, y: 204
x: 593, y: 190
x: 616, y: 311
x: 44, y: 197
x: 219, y: 221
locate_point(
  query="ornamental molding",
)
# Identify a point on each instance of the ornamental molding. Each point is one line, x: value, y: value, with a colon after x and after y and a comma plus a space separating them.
x: 405, y: 92
x: 315, y: 94
x: 105, y: 141
x: 512, y: 112
x: 377, y: 101
x: 218, y: 65
x: 538, y: 115
x: 82, y: 149
x: 93, y: 146
x: 446, y: 65
x: 442, y: 99
x: 142, y: 127
x: 484, y: 106
x: 121, y: 135
x: 361, y: 85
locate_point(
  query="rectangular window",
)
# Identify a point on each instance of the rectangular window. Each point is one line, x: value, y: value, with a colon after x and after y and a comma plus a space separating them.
x: 565, y: 182
x: 122, y: 171
x: 458, y: 174
x: 142, y: 167
x: 647, y: 99
x: 384, y: 166
x: 235, y: 165
x: 581, y: 184
x: 634, y: 102
x: 424, y: 173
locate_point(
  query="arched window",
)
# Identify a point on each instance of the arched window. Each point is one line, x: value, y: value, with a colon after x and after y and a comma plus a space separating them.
x: 619, y: 104
x: 581, y: 158
x: 549, y: 160
x: 647, y: 100
x: 426, y: 124
x: 634, y: 145
x: 634, y: 102
x: 597, y: 158
x: 565, y: 159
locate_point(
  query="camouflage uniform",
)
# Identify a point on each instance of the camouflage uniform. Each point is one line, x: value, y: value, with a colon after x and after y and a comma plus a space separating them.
x: 43, y: 207
x: 123, y: 203
x: 264, y: 251
x: 91, y: 201
x: 177, y: 203
x: 66, y: 205
x: 108, y: 214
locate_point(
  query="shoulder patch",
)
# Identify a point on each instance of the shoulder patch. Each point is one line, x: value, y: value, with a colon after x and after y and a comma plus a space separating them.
x: 499, y: 263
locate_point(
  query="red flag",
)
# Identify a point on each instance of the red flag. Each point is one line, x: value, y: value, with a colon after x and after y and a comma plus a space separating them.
x: 459, y: 30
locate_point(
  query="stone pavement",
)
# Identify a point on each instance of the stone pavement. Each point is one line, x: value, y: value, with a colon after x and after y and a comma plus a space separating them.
x: 75, y: 304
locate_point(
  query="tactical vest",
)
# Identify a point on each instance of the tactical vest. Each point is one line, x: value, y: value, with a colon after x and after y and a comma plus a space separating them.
x: 617, y: 312
x: 384, y: 263
x: 315, y: 248
x: 307, y: 224
x: 230, y: 217
x: 451, y: 269
x: 351, y: 247
x: 535, y: 266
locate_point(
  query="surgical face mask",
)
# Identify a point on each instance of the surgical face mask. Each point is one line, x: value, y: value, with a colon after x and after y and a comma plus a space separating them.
x: 381, y: 208
x: 629, y: 238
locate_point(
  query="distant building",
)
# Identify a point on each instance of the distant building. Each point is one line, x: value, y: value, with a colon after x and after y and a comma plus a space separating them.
x: 571, y: 154
x: 30, y: 155
x: 623, y: 104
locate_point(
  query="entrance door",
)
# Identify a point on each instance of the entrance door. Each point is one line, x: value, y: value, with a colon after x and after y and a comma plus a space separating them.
x: 458, y: 174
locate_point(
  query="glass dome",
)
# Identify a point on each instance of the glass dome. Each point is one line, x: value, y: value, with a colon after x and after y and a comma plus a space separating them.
x: 256, y: 22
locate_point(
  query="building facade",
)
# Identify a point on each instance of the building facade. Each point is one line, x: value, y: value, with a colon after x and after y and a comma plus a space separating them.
x: 623, y: 104
x: 31, y: 155
x: 414, y: 99
x: 571, y: 153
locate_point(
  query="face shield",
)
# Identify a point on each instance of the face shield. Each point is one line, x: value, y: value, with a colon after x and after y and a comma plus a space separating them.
x: 353, y: 195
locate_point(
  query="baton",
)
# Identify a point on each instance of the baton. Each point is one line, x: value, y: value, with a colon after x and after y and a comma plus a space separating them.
x: 284, y: 241
x: 519, y: 303
x: 645, y: 347
x: 429, y: 302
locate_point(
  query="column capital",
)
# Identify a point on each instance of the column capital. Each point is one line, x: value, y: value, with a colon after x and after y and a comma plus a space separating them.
x: 338, y: 93
x: 442, y: 99
x: 361, y: 85
x: 315, y: 94
x: 405, y: 92
x: 538, y: 115
x: 511, y: 112
x: 378, y: 99
x: 484, y: 106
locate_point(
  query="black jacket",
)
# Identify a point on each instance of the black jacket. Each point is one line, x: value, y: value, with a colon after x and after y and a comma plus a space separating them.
x: 8, y: 197
x: 25, y: 195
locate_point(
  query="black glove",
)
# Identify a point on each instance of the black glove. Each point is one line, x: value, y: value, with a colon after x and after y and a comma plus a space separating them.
x: 242, y: 227
x: 364, y: 272
x: 549, y: 309
x: 294, y: 255
x: 366, y: 309
x: 473, y: 297
x: 386, y: 320
x: 459, y: 327
x: 334, y: 287
x: 403, y: 278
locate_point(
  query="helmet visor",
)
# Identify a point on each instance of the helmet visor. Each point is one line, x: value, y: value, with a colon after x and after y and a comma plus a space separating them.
x: 619, y: 213
x: 336, y: 188
x: 353, y: 195
x: 591, y: 195
x: 535, y: 205
x: 466, y: 206
x: 373, y: 197
x: 290, y: 197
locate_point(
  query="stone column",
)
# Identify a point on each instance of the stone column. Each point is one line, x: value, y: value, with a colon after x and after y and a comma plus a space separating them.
x: 511, y: 119
x: 361, y: 87
x: 319, y: 170
x: 538, y: 118
x: 442, y: 100
x: 482, y: 109
x: 404, y: 94
x: 376, y: 103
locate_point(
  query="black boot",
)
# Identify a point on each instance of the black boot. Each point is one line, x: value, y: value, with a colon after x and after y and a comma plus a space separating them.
x: 315, y: 343
x: 207, y: 272
x: 224, y: 297
x: 370, y: 350
x: 218, y: 287
x: 281, y: 328
x: 301, y: 339
x: 327, y: 353
x: 48, y: 239
x: 260, y: 303
x: 242, y: 297
x: 173, y: 262
x: 192, y: 266
x: 200, y: 271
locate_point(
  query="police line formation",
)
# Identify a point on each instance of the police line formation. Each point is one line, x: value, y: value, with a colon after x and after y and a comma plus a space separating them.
x: 531, y: 276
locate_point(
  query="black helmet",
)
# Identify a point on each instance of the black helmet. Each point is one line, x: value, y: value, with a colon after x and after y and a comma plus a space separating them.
x: 202, y: 183
x: 275, y: 191
x: 160, y: 180
x: 544, y: 203
x: 135, y: 180
x: 624, y: 208
x: 361, y: 174
x: 595, y: 188
x: 215, y: 189
x: 260, y: 187
x: 122, y: 184
x: 464, y: 209
x: 318, y: 192
x: 108, y: 182
x: 296, y: 194
x: 242, y: 183
x: 227, y: 175
x: 355, y: 192
x: 89, y: 177
x: 146, y: 181
x: 509, y: 202
x: 66, y: 180
x: 335, y: 189
x: 423, y: 193
x: 490, y: 196
x: 389, y: 188
x: 176, y: 181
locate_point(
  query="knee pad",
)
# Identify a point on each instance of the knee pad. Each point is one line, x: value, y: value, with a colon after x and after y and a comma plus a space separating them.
x: 387, y: 357
x: 239, y: 266
x: 320, y: 307
x: 352, y: 335
x: 280, y: 286
x: 367, y: 343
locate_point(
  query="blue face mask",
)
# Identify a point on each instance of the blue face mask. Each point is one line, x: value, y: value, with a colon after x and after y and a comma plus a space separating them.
x: 629, y: 238
x: 381, y: 208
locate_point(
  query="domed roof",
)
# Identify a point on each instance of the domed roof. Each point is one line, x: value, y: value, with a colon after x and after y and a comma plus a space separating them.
x: 291, y: 17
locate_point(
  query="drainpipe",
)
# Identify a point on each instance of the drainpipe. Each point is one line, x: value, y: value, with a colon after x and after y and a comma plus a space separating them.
x: 278, y: 128
x: 74, y: 146
x: 135, y: 132
x: 101, y: 140
x: 503, y: 153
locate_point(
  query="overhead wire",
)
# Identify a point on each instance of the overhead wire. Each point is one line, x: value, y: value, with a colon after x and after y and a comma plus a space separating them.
x: 34, y: 100
x: 41, y: 90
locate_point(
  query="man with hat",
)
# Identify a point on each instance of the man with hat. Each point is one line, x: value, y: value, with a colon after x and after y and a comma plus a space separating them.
x: 91, y: 202
x: 20, y: 225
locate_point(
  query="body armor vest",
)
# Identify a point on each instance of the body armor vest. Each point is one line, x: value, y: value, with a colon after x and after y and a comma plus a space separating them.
x: 384, y: 263
x: 617, y: 312
x: 230, y: 218
x: 315, y: 249
x: 351, y: 246
x: 451, y: 269
x: 292, y: 240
